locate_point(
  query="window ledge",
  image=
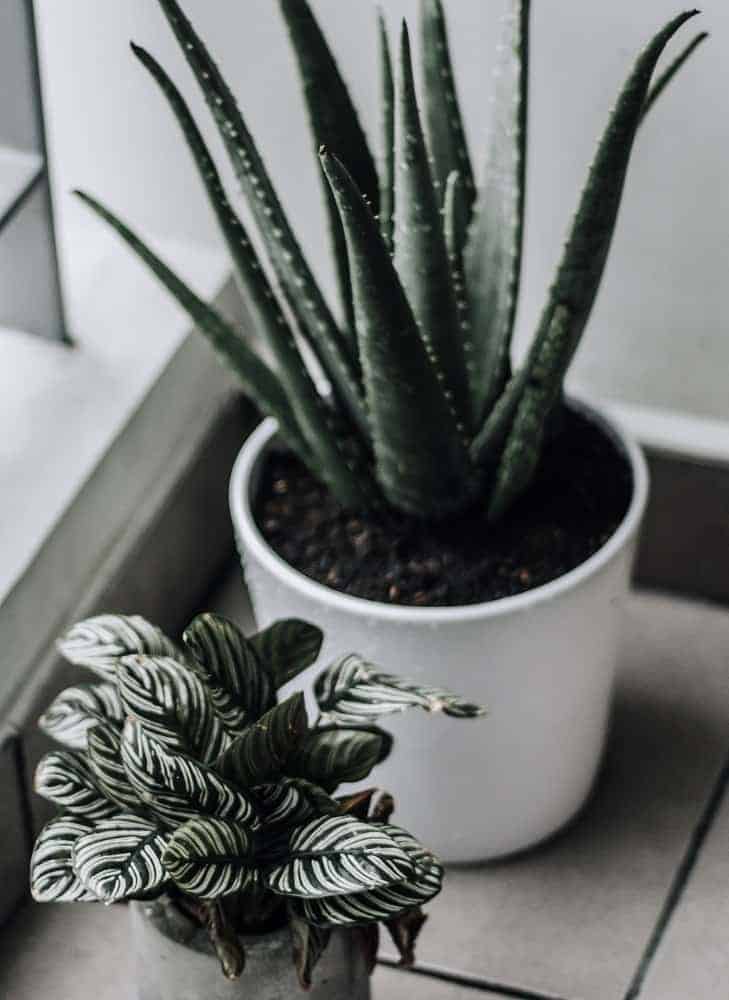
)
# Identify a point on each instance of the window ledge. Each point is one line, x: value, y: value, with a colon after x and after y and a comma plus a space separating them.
x: 92, y: 430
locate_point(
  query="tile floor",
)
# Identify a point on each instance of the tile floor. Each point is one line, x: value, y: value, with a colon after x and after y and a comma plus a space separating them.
x: 574, y: 920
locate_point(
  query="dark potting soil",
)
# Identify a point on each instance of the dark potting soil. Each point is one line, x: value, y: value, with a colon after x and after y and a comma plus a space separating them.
x: 580, y: 496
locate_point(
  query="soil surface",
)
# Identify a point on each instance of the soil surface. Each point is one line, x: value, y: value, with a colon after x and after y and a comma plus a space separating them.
x: 579, y: 498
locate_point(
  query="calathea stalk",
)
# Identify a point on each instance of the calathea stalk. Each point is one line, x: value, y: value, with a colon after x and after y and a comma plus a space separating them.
x: 425, y: 413
x: 183, y: 777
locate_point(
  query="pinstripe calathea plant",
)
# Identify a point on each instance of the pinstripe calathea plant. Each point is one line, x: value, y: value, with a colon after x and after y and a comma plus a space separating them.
x: 423, y: 412
x: 183, y: 776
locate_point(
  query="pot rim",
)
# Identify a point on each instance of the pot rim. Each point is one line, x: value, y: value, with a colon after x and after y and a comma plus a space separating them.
x: 255, y: 447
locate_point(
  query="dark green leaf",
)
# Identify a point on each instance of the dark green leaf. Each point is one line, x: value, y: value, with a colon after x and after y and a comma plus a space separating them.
x: 494, y: 250
x: 257, y: 379
x: 446, y: 135
x: 421, y: 258
x: 241, y: 687
x: 670, y: 72
x: 387, y: 136
x: 331, y: 756
x: 302, y: 292
x: 578, y: 279
x: 259, y: 755
x: 421, y: 461
x: 335, y: 123
x: 292, y: 801
x: 287, y: 647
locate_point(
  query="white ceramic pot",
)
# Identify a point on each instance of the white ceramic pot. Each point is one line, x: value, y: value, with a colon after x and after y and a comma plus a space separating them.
x: 174, y: 960
x: 543, y: 662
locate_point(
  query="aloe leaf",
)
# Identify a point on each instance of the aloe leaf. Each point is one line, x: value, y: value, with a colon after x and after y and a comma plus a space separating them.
x: 302, y: 292
x: 421, y: 460
x: 455, y: 216
x: 52, y: 875
x: 494, y: 250
x: 387, y: 134
x: 210, y: 857
x: 240, y: 687
x: 260, y: 754
x: 334, y: 122
x: 670, y: 72
x: 99, y: 643
x: 523, y: 447
x: 323, y: 429
x: 256, y: 378
x: 421, y: 258
x: 578, y: 279
x: 444, y: 124
x: 121, y: 858
x: 335, y: 855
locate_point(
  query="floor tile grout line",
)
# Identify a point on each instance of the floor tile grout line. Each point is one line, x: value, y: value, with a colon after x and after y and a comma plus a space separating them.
x: 476, y: 983
x: 680, y: 880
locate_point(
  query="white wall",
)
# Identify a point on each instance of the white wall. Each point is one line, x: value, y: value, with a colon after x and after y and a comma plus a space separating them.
x: 659, y: 335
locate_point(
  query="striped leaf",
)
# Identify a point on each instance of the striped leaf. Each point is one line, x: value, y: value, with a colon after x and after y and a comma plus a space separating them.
x: 352, y: 690
x: 333, y: 755
x: 260, y: 754
x: 287, y: 647
x: 336, y: 855
x: 104, y: 757
x: 293, y: 801
x: 99, y: 643
x: 65, y: 777
x: 421, y: 460
x: 334, y: 122
x: 444, y: 125
x: 385, y: 902
x: 52, y: 876
x: 303, y: 294
x: 174, y: 786
x: 121, y: 858
x: 494, y: 250
x: 309, y: 944
x: 241, y: 688
x: 210, y: 857
x: 421, y: 257
x: 173, y: 704
x: 78, y: 709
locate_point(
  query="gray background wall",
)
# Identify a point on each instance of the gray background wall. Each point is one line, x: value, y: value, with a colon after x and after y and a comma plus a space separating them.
x: 659, y: 335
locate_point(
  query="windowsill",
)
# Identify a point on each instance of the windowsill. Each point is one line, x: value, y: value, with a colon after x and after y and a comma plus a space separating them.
x: 71, y: 457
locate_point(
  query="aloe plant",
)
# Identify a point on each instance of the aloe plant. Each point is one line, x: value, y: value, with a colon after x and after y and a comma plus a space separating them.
x: 183, y: 776
x: 424, y: 411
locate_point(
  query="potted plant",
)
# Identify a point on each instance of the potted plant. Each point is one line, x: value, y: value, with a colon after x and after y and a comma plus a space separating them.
x: 188, y: 787
x: 426, y: 502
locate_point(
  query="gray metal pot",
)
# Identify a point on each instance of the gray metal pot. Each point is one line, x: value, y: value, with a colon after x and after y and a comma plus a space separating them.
x: 174, y: 960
